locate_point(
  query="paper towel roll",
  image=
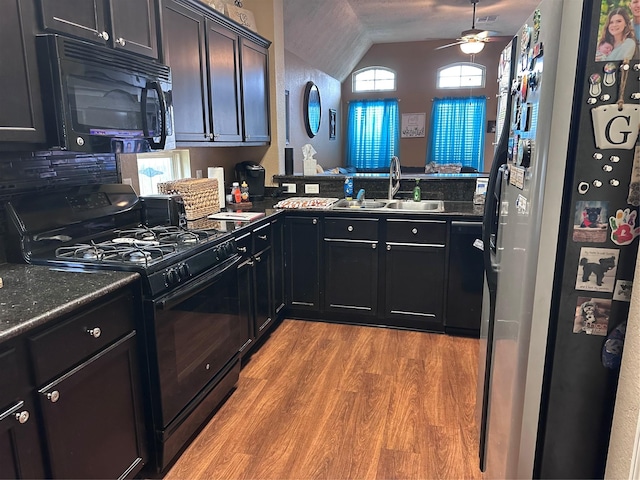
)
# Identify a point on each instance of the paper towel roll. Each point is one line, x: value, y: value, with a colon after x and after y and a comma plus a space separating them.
x: 218, y: 174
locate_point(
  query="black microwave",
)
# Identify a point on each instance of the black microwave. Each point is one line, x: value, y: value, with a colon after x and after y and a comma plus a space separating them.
x: 99, y: 100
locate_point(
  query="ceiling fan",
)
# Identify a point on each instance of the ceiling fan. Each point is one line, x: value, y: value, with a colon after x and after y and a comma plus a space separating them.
x: 471, y: 41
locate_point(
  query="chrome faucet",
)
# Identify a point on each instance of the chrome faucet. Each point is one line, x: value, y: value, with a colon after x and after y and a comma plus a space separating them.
x: 394, y: 176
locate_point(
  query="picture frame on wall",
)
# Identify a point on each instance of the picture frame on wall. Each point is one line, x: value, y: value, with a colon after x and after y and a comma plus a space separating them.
x: 333, y: 119
x: 413, y: 125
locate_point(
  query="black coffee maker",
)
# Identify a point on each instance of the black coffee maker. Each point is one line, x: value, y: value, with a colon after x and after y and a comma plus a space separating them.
x: 253, y: 174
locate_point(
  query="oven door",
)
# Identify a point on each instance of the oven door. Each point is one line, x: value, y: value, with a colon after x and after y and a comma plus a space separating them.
x: 198, y: 330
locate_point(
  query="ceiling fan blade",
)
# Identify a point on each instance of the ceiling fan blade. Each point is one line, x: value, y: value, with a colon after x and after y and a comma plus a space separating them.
x: 448, y: 45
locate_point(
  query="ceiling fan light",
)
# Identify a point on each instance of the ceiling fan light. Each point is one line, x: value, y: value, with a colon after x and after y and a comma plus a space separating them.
x: 471, y: 48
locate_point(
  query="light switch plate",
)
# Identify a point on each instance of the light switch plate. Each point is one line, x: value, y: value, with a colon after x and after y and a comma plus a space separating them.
x: 311, y: 188
x: 290, y: 187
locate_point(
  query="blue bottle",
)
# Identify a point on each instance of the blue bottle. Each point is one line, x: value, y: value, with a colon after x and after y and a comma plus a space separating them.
x: 348, y: 188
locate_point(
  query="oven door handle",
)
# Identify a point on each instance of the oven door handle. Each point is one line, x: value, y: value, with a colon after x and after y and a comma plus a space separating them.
x: 173, y: 299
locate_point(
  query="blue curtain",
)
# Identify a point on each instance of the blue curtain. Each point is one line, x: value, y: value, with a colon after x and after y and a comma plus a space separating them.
x: 457, y: 131
x: 373, y: 133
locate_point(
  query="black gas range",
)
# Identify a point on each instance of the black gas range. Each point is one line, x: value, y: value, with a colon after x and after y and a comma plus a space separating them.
x: 100, y: 227
x: 191, y: 329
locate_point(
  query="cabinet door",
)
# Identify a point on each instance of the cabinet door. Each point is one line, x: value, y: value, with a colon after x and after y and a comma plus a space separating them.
x: 21, y: 118
x: 224, y: 74
x: 133, y: 25
x: 20, y: 453
x: 80, y: 18
x: 277, y: 248
x: 92, y: 416
x: 303, y: 263
x: 263, y: 290
x: 184, y: 51
x: 255, y: 92
x: 245, y: 297
x: 351, y: 277
x: 415, y: 285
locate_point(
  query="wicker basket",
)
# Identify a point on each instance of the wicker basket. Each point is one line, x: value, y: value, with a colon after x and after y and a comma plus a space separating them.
x: 200, y: 195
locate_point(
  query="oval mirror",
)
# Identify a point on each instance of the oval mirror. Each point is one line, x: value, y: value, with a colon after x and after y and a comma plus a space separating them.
x: 312, y: 110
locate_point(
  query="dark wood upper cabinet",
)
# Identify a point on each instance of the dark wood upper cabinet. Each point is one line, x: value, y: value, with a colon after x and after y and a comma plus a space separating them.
x: 220, y: 77
x: 255, y: 91
x: 128, y: 25
x: 21, y: 117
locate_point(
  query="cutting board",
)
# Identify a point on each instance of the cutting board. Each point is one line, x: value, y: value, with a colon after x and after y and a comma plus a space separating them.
x: 236, y: 216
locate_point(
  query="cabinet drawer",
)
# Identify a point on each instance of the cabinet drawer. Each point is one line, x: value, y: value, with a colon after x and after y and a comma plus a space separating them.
x: 351, y: 228
x: 244, y: 244
x: 261, y: 237
x: 416, y: 231
x: 68, y: 343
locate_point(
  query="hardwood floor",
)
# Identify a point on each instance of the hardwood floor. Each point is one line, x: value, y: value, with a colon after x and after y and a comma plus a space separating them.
x: 331, y: 401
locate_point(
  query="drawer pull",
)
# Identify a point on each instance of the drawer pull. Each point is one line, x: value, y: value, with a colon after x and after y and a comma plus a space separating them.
x: 373, y: 245
x: 262, y: 237
x: 350, y: 228
x: 104, y: 36
x: 315, y: 221
x: 258, y: 259
x: 95, y: 332
x: 22, y: 417
x: 54, y: 396
x: 242, y: 249
x: 121, y: 41
x: 389, y: 247
x: 414, y: 231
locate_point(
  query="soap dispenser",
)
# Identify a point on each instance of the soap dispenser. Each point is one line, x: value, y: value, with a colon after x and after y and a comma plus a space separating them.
x: 417, y: 195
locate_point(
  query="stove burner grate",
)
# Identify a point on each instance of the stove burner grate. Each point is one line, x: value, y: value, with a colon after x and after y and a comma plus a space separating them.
x: 116, y: 252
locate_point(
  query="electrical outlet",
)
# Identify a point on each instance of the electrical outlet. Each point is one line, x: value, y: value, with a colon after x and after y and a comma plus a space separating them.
x: 311, y: 188
x: 290, y: 187
x: 198, y: 173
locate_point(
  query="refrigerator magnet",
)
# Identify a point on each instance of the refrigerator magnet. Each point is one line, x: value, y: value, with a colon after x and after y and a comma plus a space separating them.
x: 615, y: 127
x: 597, y: 269
x: 592, y: 316
x: 622, y: 292
x: 623, y: 226
x: 595, y: 85
x: 589, y: 222
x: 610, y: 70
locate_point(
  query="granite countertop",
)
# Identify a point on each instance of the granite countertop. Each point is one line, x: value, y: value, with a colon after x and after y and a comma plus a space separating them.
x: 33, y: 295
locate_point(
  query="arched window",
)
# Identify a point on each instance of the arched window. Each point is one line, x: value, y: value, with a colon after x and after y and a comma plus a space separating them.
x: 374, y: 79
x: 461, y: 75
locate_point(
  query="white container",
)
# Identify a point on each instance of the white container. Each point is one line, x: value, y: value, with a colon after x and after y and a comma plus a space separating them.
x: 309, y: 166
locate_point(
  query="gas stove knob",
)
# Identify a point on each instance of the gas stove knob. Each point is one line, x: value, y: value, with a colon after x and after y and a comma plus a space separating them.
x: 228, y: 250
x: 183, y: 271
x: 172, y: 276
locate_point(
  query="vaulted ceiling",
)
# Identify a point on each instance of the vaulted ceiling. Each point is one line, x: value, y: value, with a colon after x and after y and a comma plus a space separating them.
x: 333, y: 35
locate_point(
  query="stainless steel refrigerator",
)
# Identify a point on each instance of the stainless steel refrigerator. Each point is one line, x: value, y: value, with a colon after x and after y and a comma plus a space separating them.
x: 560, y: 241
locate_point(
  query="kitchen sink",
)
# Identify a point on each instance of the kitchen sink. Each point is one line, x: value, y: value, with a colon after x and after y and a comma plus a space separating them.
x: 364, y: 204
x: 422, y: 206
x: 391, y: 205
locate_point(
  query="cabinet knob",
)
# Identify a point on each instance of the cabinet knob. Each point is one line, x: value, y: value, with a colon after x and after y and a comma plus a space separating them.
x: 315, y: 221
x: 121, y: 41
x: 262, y: 237
x: 414, y: 231
x: 373, y: 245
x: 350, y: 228
x: 54, y: 396
x: 257, y: 259
x: 103, y: 35
x: 22, y: 417
x: 242, y: 249
x: 95, y: 332
x: 214, y: 135
x: 388, y: 247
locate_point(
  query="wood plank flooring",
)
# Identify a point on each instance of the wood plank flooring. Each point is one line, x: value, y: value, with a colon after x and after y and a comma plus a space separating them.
x: 329, y: 401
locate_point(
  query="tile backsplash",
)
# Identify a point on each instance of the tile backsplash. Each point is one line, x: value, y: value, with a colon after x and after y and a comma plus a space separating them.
x: 27, y: 173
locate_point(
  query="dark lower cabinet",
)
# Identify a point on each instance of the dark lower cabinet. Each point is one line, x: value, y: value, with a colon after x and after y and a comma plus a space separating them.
x: 277, y: 251
x: 20, y: 452
x: 303, y: 263
x: 92, y: 416
x: 351, y: 277
x: 263, y: 291
x: 415, y: 286
x: 21, y: 117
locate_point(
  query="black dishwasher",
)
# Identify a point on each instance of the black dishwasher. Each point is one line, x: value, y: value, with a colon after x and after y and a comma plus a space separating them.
x: 464, y: 285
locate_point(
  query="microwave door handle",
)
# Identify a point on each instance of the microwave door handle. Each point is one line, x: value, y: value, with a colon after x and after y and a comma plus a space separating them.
x: 163, y: 114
